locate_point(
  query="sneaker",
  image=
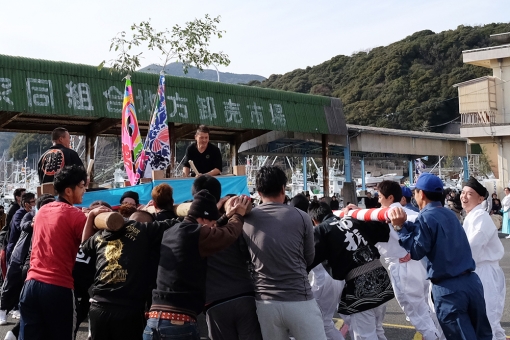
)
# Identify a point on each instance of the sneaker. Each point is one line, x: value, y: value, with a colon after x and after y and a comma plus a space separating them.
x: 10, y: 336
x: 16, y: 314
x: 3, y: 317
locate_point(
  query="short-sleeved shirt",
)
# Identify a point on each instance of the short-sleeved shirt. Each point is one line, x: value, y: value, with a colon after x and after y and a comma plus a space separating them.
x: 54, y: 160
x: 204, y: 162
x: 58, y: 228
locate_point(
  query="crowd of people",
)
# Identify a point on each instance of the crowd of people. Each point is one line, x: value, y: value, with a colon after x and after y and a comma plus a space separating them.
x: 277, y: 270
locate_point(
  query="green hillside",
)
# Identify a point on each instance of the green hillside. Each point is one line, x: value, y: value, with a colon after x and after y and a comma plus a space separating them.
x: 406, y: 85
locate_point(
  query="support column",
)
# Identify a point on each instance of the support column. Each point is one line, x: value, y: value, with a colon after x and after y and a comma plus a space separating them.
x: 233, y: 154
x: 170, y: 169
x: 325, y: 169
x: 90, y: 141
x: 411, y: 172
x: 349, y: 189
x: 465, y: 167
x: 363, y: 181
x: 305, y: 175
x: 347, y: 164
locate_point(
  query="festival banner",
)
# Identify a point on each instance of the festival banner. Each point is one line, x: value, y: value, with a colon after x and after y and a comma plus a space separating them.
x: 156, y: 150
x: 131, y: 140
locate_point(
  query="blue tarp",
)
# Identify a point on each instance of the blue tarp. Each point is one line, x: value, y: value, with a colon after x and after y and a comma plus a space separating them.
x: 182, y: 190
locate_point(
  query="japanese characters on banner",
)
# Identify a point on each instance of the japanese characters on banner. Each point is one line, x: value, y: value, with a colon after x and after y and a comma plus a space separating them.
x: 76, y: 96
x: 156, y: 149
x: 131, y: 140
x: 79, y: 97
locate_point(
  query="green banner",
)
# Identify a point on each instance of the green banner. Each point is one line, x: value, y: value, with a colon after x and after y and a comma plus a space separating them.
x: 57, y: 88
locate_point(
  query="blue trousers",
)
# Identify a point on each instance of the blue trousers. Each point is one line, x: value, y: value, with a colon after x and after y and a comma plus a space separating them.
x: 157, y: 329
x: 40, y: 303
x: 460, y: 308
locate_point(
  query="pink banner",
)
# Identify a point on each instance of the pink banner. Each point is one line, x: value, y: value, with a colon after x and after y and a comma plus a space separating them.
x: 131, y: 140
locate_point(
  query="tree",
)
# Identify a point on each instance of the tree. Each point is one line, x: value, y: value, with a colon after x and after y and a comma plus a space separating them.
x: 188, y: 45
x: 405, y: 85
x: 449, y: 161
x: 6, y: 139
x: 29, y: 143
x: 485, y: 163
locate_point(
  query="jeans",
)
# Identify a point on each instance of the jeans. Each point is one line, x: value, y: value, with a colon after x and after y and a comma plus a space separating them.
x: 157, y: 329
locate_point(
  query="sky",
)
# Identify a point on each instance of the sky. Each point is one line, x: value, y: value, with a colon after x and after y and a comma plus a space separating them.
x: 262, y: 37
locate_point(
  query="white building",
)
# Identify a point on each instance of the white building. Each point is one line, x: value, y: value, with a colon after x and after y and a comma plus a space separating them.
x: 484, y: 105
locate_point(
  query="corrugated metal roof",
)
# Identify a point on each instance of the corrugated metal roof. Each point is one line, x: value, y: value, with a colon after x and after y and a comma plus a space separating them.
x: 407, y: 133
x: 59, y: 88
x: 472, y: 81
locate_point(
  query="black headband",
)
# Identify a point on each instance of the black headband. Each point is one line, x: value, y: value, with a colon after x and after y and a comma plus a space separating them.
x: 476, y: 186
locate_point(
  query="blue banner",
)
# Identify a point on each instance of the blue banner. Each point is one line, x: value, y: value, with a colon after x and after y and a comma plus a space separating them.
x: 237, y: 185
x: 156, y: 149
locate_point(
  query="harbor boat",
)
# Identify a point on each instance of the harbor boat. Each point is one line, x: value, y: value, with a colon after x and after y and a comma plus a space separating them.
x: 374, y: 180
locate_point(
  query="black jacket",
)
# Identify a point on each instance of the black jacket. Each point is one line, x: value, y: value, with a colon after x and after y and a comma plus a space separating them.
x: 182, y: 266
x: 4, y: 233
x: 14, y: 278
x: 54, y: 160
x: 349, y: 246
x: 121, y: 262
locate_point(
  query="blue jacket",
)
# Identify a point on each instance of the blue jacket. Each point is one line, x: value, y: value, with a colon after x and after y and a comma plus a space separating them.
x: 15, y: 231
x: 437, y: 235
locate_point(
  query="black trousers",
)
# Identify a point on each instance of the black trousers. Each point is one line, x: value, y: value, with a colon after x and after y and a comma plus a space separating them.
x: 234, y: 319
x: 39, y: 304
x: 82, y: 308
x: 109, y: 322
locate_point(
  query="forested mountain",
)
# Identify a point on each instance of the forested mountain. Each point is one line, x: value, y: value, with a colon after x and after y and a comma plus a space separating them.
x: 406, y: 85
x: 175, y: 69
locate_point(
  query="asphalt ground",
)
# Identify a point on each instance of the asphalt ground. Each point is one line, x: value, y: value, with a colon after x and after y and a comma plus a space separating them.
x: 395, y: 325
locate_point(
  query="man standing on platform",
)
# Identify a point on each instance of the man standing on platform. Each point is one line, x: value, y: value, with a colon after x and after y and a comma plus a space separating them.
x: 205, y: 156
x: 57, y: 156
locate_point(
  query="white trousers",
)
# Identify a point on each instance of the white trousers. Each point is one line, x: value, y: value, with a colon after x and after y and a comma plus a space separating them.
x: 411, y: 288
x: 367, y: 325
x: 327, y: 292
x: 494, y: 290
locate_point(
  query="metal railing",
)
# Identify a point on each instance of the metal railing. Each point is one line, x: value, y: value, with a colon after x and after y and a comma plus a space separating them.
x: 478, y: 118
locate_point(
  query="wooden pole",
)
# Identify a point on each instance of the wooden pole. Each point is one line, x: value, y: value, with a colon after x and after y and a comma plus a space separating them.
x: 90, y: 141
x: 233, y: 153
x: 171, y: 167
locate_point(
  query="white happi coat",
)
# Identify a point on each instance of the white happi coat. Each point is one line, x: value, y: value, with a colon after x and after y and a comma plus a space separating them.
x: 487, y: 251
